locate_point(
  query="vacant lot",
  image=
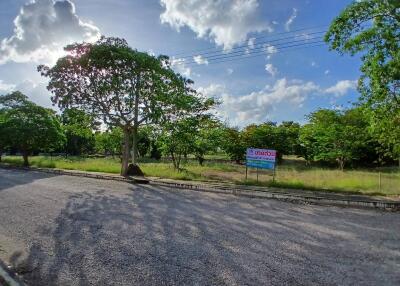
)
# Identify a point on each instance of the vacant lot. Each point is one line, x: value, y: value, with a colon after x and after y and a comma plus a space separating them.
x: 291, y: 173
x: 60, y: 230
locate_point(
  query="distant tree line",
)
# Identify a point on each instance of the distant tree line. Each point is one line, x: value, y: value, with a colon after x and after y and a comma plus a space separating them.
x: 330, y: 137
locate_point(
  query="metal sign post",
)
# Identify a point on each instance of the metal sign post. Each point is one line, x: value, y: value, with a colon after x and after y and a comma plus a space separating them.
x: 257, y: 175
x: 273, y: 174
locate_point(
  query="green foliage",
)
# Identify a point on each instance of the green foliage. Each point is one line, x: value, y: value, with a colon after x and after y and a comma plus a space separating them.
x: 207, y: 138
x: 118, y: 85
x: 109, y: 142
x: 282, y: 138
x: 335, y: 136
x: 78, y: 128
x: 177, y: 139
x: 29, y: 127
x: 233, y: 144
x: 372, y: 28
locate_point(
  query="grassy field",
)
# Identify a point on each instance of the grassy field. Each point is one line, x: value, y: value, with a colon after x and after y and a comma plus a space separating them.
x: 291, y: 174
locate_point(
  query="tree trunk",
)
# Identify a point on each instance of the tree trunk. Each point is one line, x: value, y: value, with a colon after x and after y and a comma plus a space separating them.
x: 135, y: 130
x: 125, y: 153
x: 178, y: 162
x: 201, y: 160
x: 25, y: 157
x: 173, y: 160
x: 341, y: 163
x: 134, y: 146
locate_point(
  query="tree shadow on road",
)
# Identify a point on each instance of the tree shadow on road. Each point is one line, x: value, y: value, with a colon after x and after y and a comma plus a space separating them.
x: 150, y: 236
x: 10, y: 178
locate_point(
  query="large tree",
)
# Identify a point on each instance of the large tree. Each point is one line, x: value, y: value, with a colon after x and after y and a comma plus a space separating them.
x: 372, y: 28
x: 29, y: 127
x: 115, y: 83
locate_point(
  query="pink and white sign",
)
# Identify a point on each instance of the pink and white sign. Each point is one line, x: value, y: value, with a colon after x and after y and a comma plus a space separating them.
x: 261, y: 154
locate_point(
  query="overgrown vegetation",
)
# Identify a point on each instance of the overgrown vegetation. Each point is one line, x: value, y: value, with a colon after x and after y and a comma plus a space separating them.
x: 292, y: 173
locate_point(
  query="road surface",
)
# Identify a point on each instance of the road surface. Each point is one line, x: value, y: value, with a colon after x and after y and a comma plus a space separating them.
x: 62, y: 230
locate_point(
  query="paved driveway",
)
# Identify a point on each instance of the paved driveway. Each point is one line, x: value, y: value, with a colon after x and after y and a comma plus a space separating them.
x: 61, y: 230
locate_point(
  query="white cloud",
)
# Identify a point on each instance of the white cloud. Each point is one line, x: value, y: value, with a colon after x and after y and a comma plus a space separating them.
x: 282, y: 97
x: 251, y: 42
x: 341, y: 87
x: 200, y: 60
x: 41, y: 30
x: 226, y: 22
x: 292, y: 17
x: 250, y: 45
x: 229, y: 71
x: 327, y: 72
x: 259, y: 106
x: 271, y: 69
x: 179, y: 65
x: 5, y: 87
x: 314, y: 64
x: 270, y: 50
x: 36, y: 92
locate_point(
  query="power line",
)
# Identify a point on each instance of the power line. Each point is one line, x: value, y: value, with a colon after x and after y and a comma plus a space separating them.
x: 216, y: 49
x: 256, y: 38
x: 257, y: 45
x: 281, y: 46
x: 320, y: 44
x: 257, y: 54
x: 258, y: 49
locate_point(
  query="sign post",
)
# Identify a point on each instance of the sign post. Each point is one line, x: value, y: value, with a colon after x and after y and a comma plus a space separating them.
x: 261, y: 159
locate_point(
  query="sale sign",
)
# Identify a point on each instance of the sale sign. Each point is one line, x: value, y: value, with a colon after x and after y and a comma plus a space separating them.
x: 260, y: 158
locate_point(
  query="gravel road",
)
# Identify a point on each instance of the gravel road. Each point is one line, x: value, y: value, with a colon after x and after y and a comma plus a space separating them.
x: 61, y: 230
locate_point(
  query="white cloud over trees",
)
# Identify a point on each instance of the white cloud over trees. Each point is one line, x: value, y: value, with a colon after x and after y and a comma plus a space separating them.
x: 41, y: 30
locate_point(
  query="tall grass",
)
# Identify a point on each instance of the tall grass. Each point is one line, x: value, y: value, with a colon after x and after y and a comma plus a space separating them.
x: 290, y: 174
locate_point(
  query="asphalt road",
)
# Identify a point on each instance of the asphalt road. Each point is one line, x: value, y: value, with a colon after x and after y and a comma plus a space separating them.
x: 61, y: 230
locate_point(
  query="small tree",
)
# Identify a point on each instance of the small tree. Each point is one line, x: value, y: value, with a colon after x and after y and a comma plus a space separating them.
x: 177, y: 139
x: 121, y: 86
x: 180, y: 124
x: 29, y: 127
x: 335, y: 136
x: 233, y: 144
x: 7, y: 102
x: 109, y: 142
x: 207, y: 138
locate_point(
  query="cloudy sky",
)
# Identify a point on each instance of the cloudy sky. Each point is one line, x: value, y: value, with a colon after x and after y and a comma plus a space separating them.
x: 263, y: 58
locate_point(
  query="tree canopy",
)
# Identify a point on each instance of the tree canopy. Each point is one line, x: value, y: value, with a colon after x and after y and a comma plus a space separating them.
x: 27, y: 126
x: 372, y: 28
x: 117, y: 84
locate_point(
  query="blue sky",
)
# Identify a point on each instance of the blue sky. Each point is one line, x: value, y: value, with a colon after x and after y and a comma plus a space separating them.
x: 274, y: 84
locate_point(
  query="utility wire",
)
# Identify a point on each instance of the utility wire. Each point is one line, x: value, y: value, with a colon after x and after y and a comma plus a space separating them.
x: 257, y: 45
x: 192, y: 53
x: 244, y: 54
x: 321, y: 44
x: 255, y: 50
